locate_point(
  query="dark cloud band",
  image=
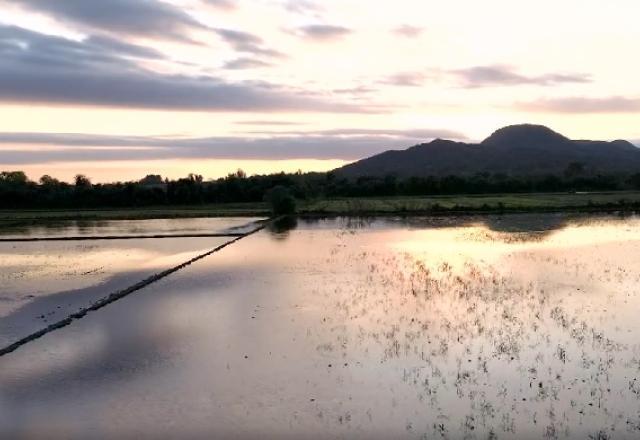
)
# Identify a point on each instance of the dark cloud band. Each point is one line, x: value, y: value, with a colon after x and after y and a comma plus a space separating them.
x: 347, y: 144
x: 104, y: 72
x: 487, y: 76
x: 148, y: 18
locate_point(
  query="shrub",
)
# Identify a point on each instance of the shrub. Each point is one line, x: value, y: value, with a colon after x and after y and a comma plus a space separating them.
x: 281, y: 201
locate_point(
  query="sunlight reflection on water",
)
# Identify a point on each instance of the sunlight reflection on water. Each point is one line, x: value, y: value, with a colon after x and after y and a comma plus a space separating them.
x: 504, y: 327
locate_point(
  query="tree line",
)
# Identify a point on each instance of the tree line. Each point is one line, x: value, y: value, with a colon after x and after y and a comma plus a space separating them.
x: 17, y: 191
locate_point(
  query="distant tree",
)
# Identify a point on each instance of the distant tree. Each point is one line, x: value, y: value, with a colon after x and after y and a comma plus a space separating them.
x: 281, y: 201
x: 574, y: 169
x: 14, y: 178
x: 15, y: 189
x: 49, y: 181
x: 151, y: 179
x: 634, y: 181
x: 282, y: 190
x: 239, y: 174
x: 82, y: 181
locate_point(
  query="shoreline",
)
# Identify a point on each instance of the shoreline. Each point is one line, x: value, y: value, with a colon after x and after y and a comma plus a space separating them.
x: 449, y: 205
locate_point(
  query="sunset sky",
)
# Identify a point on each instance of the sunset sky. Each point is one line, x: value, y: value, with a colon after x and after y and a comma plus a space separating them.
x: 117, y: 89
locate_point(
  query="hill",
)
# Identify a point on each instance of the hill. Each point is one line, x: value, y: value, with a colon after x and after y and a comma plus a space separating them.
x: 517, y: 150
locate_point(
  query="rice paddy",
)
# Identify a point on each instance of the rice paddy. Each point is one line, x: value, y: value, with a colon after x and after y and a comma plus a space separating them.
x: 514, y: 326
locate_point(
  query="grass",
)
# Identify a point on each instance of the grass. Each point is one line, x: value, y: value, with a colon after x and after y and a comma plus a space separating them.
x: 477, y: 203
x: 542, y: 202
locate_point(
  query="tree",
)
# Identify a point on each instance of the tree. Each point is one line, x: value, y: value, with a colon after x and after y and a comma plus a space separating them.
x: 151, y: 179
x: 634, y: 181
x: 574, y: 169
x: 82, y: 181
x: 13, y: 178
x: 49, y: 181
x: 281, y: 201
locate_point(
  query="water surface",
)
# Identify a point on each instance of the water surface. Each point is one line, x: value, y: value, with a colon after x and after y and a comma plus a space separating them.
x: 496, y: 327
x: 42, y: 282
x: 80, y: 228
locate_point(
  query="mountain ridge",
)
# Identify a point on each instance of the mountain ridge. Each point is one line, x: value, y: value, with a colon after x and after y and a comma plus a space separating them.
x: 516, y: 150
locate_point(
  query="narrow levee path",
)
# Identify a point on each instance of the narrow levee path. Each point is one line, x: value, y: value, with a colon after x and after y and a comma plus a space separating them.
x: 103, y: 302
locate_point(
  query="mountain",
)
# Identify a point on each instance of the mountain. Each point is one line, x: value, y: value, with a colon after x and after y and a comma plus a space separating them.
x: 514, y: 150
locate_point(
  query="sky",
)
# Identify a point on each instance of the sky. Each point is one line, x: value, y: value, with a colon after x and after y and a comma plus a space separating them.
x: 117, y: 89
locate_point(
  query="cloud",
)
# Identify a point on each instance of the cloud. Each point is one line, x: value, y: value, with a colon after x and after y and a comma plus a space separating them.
x: 323, y: 32
x: 303, y: 7
x: 406, y: 79
x: 239, y: 37
x: 613, y: 104
x: 347, y: 144
x: 147, y: 18
x: 269, y: 122
x: 107, y: 44
x: 247, y: 42
x: 481, y: 76
x: 19, y: 46
x: 408, y: 31
x: 100, y: 72
x: 414, y: 134
x: 356, y: 91
x: 487, y: 76
x: 245, y: 63
x: 221, y: 4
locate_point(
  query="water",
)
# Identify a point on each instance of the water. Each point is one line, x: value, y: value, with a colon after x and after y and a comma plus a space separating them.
x: 496, y: 327
x: 79, y: 228
x: 42, y: 282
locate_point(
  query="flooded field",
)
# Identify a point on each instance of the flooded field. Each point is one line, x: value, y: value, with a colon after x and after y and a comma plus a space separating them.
x: 521, y: 326
x: 43, y: 281
x: 79, y: 228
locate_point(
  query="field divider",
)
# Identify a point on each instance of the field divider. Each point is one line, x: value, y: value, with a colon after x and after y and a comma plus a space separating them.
x: 115, y: 237
x: 103, y: 302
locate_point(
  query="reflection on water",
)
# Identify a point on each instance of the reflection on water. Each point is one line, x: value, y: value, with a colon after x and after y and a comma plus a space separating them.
x: 508, y: 223
x: 72, y: 228
x: 42, y: 282
x: 281, y: 227
x: 358, y: 328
